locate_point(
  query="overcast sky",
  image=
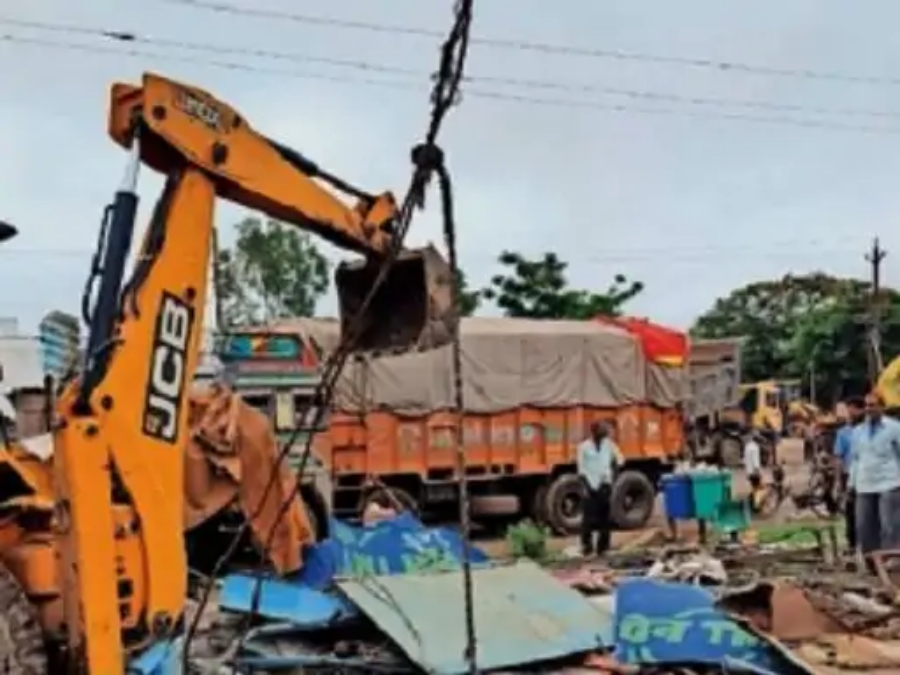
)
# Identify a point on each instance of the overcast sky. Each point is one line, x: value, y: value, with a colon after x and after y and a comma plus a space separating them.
x: 691, y: 204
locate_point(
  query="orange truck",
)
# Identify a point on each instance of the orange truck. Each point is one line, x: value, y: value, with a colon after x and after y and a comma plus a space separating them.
x: 531, y: 390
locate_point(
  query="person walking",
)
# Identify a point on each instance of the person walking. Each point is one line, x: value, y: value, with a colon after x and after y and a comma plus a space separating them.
x: 598, y: 457
x: 855, y: 412
x: 875, y: 467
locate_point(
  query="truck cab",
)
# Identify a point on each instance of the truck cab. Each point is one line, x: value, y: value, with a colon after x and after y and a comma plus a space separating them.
x: 277, y: 373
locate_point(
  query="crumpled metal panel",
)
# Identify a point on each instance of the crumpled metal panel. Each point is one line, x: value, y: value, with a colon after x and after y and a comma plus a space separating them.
x: 282, y: 601
x: 522, y: 615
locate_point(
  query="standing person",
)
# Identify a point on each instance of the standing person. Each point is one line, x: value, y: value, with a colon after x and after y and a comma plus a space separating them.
x: 598, y: 457
x: 753, y: 466
x: 843, y: 440
x: 875, y: 466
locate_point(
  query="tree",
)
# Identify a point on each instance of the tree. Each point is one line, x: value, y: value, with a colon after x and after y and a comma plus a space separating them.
x: 831, y: 344
x: 539, y: 289
x: 767, y: 315
x: 467, y: 300
x: 802, y: 325
x: 273, y: 271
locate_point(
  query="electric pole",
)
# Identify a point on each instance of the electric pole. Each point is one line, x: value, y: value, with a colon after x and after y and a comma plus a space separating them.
x: 874, y: 258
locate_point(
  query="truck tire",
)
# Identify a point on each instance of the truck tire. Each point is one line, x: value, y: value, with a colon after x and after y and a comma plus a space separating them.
x: 316, y: 511
x: 538, y: 505
x: 22, y: 649
x: 564, y: 504
x: 633, y: 500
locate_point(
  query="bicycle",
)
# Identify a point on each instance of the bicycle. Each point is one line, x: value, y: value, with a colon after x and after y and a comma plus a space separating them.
x: 822, y: 496
x: 766, y: 499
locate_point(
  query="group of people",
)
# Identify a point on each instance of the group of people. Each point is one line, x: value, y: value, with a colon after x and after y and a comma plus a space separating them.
x: 868, y: 450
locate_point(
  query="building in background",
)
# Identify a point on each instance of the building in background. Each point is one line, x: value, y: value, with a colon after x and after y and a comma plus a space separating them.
x: 22, y: 378
x: 60, y: 339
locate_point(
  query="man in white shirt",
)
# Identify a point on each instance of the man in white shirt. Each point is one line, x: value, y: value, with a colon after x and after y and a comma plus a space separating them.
x: 875, y: 474
x: 753, y: 464
x: 598, y: 457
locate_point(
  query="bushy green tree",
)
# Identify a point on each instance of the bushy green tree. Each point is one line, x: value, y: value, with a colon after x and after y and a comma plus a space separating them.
x: 539, y: 289
x: 272, y: 271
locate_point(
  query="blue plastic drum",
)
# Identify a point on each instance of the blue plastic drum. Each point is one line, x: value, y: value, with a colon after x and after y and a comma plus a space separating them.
x: 678, y: 500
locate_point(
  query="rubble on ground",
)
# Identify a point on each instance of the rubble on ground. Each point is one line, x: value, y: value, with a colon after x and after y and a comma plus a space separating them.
x: 387, y: 597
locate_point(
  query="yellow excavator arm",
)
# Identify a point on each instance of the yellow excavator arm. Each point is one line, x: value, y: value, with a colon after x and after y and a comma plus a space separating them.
x: 122, y: 425
x: 176, y: 128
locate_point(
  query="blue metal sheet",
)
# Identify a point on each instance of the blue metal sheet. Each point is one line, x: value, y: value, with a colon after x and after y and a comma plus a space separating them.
x: 522, y: 615
x: 283, y: 601
x: 161, y: 658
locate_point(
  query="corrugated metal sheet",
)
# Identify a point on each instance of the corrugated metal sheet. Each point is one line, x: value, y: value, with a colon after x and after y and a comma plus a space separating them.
x: 522, y: 615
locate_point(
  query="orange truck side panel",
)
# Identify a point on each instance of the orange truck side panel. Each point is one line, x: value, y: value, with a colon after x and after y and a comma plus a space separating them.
x: 524, y: 441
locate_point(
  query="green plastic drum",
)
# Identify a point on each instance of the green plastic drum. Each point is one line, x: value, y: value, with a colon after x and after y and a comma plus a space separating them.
x: 710, y: 490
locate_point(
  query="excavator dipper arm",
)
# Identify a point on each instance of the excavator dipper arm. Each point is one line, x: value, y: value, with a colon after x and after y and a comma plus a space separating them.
x: 122, y: 426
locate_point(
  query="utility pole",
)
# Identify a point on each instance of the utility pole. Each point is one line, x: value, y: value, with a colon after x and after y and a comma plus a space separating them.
x: 876, y: 364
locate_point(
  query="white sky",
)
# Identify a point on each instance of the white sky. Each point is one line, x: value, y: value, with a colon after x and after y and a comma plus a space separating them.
x: 690, y: 205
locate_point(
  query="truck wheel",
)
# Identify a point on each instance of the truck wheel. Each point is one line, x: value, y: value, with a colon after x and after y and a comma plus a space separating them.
x: 22, y: 649
x: 538, y: 504
x: 316, y: 511
x: 633, y: 500
x: 564, y: 503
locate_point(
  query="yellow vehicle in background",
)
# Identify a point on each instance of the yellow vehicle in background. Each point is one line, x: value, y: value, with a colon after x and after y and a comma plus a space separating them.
x: 770, y: 403
x: 765, y: 406
x: 889, y: 384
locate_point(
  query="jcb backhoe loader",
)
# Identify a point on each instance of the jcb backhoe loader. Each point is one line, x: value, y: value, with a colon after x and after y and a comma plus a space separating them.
x: 122, y: 425
x: 231, y: 451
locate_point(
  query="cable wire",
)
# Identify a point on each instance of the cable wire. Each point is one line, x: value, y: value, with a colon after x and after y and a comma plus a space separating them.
x: 565, y: 103
x: 419, y: 76
x: 444, y: 96
x: 791, y: 247
x: 539, y: 47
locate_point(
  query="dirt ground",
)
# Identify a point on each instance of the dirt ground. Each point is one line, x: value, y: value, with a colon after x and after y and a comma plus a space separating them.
x: 790, y: 453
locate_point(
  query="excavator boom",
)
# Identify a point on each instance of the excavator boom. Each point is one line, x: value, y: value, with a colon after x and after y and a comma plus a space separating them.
x: 177, y: 124
x: 122, y: 430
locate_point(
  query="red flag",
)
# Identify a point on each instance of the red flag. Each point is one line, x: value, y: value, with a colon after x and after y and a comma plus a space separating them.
x: 660, y: 344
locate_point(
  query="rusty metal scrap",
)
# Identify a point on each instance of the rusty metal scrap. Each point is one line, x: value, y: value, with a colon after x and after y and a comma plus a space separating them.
x: 229, y: 459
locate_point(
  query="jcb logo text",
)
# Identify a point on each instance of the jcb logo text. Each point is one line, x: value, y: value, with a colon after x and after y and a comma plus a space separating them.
x: 168, y: 369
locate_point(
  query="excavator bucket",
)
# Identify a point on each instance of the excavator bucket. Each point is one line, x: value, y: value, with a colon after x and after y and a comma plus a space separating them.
x: 412, y: 310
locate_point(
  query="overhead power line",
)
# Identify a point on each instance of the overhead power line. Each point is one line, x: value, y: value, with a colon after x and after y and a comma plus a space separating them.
x: 788, y: 247
x: 559, y: 102
x: 535, y: 46
x: 414, y: 75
